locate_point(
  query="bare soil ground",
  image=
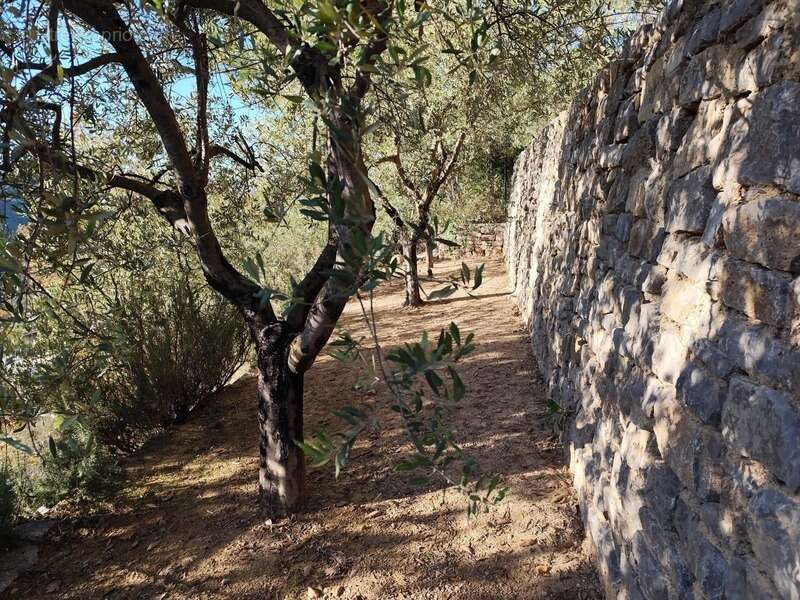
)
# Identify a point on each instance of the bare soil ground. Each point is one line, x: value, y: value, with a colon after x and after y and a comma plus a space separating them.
x: 187, y: 526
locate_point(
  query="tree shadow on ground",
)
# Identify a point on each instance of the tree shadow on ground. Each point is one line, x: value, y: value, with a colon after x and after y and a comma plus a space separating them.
x: 188, y: 524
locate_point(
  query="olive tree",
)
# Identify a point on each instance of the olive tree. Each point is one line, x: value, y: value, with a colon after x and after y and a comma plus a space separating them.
x: 326, y: 51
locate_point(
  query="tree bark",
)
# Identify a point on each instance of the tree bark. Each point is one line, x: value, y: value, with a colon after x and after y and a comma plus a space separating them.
x: 412, y: 275
x: 429, y: 250
x: 281, y: 469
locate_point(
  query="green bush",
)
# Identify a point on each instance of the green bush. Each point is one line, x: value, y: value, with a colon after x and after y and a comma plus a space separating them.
x: 76, y: 466
x: 180, y: 347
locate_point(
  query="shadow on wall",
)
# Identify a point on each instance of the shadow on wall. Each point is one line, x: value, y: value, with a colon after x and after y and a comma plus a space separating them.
x: 654, y: 244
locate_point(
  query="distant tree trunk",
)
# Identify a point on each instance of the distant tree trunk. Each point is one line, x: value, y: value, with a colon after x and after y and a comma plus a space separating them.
x: 429, y: 250
x: 281, y: 468
x: 412, y: 275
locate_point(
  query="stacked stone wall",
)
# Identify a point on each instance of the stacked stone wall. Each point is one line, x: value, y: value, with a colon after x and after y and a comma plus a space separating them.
x: 480, y: 240
x: 653, y: 244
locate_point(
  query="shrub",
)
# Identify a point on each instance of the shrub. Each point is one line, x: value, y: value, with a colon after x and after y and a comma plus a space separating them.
x: 76, y: 466
x: 177, y: 348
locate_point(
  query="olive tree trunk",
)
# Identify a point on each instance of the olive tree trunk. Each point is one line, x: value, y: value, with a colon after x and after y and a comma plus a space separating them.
x: 429, y: 251
x: 412, y: 275
x: 281, y: 468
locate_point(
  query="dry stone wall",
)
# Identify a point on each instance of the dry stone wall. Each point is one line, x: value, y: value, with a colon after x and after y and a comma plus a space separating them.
x: 653, y: 244
x: 480, y: 240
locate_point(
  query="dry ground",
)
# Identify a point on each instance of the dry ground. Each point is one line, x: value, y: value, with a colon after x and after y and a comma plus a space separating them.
x: 187, y: 526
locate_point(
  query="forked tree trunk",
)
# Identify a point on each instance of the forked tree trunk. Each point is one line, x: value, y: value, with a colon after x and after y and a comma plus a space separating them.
x: 281, y: 469
x: 429, y: 251
x: 412, y: 275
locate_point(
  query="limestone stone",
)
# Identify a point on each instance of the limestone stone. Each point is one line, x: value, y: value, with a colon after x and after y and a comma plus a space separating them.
x: 773, y: 526
x: 690, y: 257
x: 669, y: 353
x: 710, y: 74
x: 698, y: 146
x: 712, y: 358
x: 689, y: 201
x: 671, y: 130
x: 757, y: 351
x: 628, y: 119
x: 765, y: 231
x: 771, y: 18
x: 757, y: 292
x: 700, y: 392
x: 646, y: 239
x: 691, y: 450
x: 761, y: 66
x: 712, y: 234
x: 735, y: 13
x: 760, y: 146
x: 637, y: 187
x: 704, y: 33
x: 704, y: 559
x: 744, y: 582
x: 764, y: 424
x: 685, y: 302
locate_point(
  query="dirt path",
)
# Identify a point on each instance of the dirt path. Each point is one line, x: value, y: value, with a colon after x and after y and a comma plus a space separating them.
x: 187, y: 527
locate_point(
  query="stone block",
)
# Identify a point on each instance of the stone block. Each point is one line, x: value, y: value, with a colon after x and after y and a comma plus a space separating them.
x: 757, y: 350
x: 689, y: 201
x: 699, y: 145
x: 759, y: 293
x: 610, y: 156
x: 634, y: 203
x: 652, y: 91
x: 761, y: 66
x: 660, y: 493
x: 710, y: 74
x: 686, y: 302
x: 773, y: 527
x: 764, y: 424
x: 771, y: 18
x: 744, y: 581
x: 704, y: 33
x: 656, y: 392
x: 691, y: 258
x: 640, y: 147
x: 760, y: 146
x: 653, y: 582
x: 765, y: 231
x: 700, y: 392
x: 622, y: 231
x: 692, y: 451
x: 627, y: 120
x: 646, y: 239
x: 712, y: 357
x: 706, y: 562
x: 669, y: 353
x: 712, y: 234
x: 670, y: 131
x: 735, y: 13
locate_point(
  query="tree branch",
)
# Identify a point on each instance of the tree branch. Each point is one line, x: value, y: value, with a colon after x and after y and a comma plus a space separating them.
x: 439, y: 178
x: 250, y: 162
x: 102, y: 16
x: 403, y: 175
